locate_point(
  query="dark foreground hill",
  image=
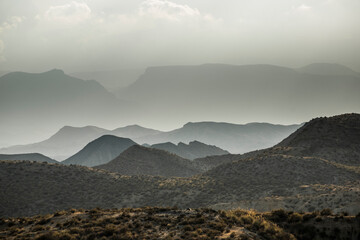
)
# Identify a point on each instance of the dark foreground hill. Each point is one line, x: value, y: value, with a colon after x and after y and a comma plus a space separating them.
x: 335, y: 138
x: 100, y: 151
x: 173, y: 223
x: 194, y: 149
x: 27, y: 156
x: 139, y: 160
x: 44, y: 188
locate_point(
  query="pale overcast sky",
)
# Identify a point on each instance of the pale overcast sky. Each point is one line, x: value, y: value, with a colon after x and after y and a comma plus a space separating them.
x: 37, y: 35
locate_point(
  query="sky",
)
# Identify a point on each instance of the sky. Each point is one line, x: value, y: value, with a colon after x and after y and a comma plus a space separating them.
x: 88, y: 35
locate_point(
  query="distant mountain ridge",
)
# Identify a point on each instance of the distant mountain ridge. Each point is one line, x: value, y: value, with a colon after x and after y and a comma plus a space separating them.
x: 100, y: 151
x: 245, y: 91
x: 235, y: 138
x: 69, y: 140
x: 328, y: 69
x: 28, y: 157
x: 194, y: 149
x: 48, y: 100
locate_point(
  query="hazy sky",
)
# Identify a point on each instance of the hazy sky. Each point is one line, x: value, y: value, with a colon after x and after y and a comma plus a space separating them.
x: 37, y: 35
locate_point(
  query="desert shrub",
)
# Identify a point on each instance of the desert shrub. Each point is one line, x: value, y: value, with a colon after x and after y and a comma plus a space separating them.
x: 38, y: 228
x: 76, y: 230
x: 344, y: 213
x: 217, y: 226
x: 55, y: 236
x: 279, y: 215
x: 326, y: 212
x: 246, y: 219
x: 295, y: 217
x: 308, y: 216
x: 43, y: 221
x: 188, y: 228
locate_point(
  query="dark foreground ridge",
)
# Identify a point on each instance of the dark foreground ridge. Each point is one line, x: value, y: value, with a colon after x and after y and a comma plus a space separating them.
x: 172, y: 223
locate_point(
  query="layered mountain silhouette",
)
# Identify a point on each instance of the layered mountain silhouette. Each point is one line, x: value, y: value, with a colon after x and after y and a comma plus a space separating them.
x: 139, y: 160
x: 328, y: 69
x: 246, y: 90
x: 27, y: 156
x: 100, y: 151
x: 111, y: 80
x: 69, y: 140
x: 264, y: 180
x: 49, y: 100
x: 235, y: 138
x: 135, y: 132
x: 192, y: 150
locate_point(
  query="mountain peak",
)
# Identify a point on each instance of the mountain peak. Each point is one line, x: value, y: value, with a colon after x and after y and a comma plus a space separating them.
x: 55, y: 71
x: 328, y: 69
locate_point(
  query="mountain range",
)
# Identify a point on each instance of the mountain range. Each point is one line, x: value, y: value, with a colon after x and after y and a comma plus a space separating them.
x: 235, y: 138
x: 265, y: 180
x: 49, y: 100
x: 112, y: 80
x: 246, y: 91
x: 70, y: 140
x: 34, y: 105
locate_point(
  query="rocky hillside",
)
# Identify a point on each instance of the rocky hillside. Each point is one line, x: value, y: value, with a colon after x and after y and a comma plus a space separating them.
x: 139, y: 160
x: 335, y: 138
x: 173, y: 223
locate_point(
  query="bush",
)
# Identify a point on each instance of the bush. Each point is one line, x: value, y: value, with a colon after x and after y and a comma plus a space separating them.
x: 326, y: 212
x: 279, y: 215
x: 295, y: 217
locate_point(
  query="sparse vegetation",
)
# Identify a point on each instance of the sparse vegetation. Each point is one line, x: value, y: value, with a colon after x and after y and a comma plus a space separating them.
x: 172, y: 223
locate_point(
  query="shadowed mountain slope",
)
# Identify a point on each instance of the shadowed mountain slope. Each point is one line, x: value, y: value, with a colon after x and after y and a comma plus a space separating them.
x: 192, y: 150
x: 27, y: 156
x: 100, y: 151
x: 335, y: 138
x: 139, y: 160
